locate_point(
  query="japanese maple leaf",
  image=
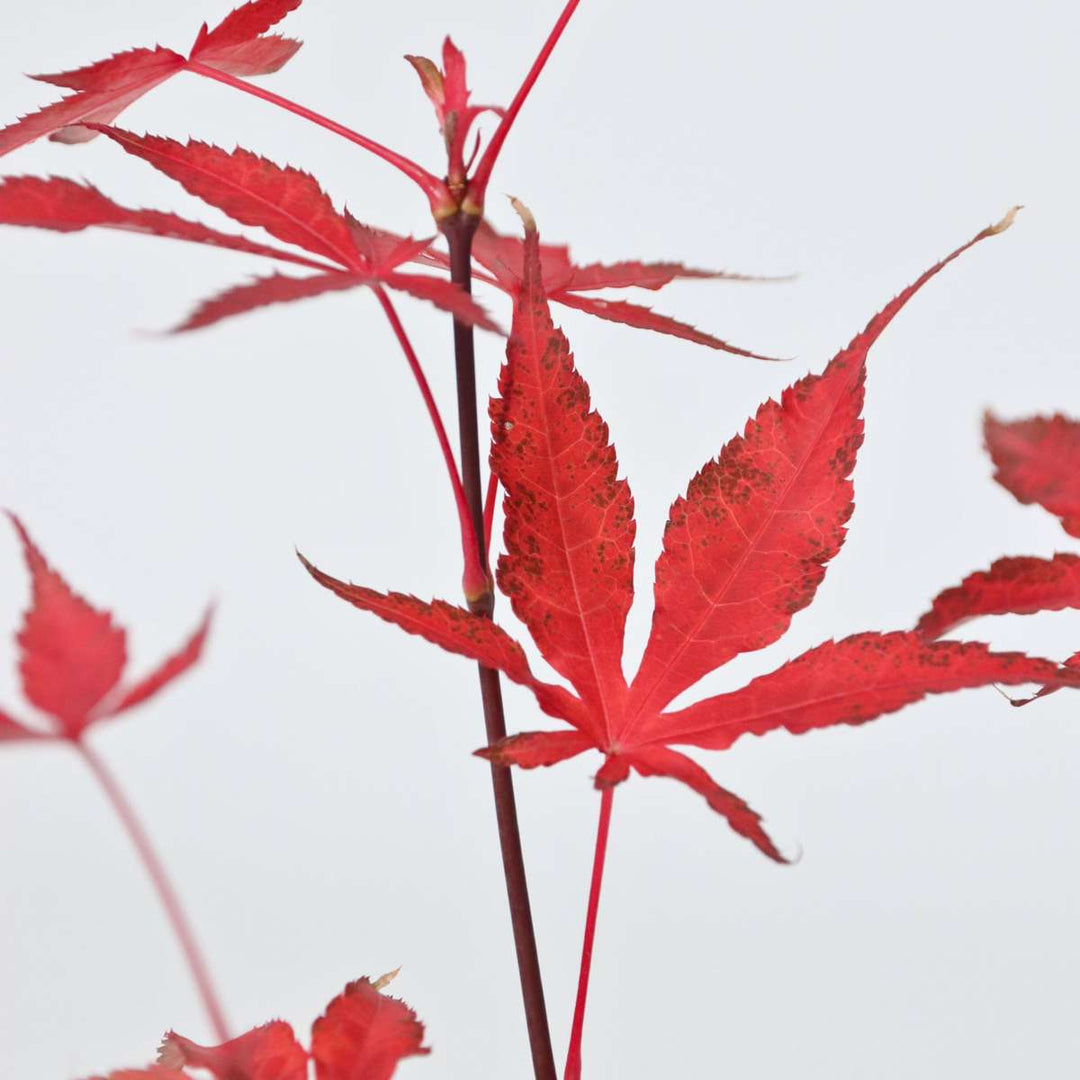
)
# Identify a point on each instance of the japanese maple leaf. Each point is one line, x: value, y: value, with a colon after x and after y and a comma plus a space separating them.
x: 73, y: 656
x: 744, y: 549
x: 363, y: 1035
x: 290, y: 205
x: 239, y: 45
x: 1038, y: 461
x: 287, y: 203
x: 565, y: 282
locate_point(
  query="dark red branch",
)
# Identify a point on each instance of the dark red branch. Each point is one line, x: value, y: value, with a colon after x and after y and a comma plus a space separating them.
x: 459, y: 231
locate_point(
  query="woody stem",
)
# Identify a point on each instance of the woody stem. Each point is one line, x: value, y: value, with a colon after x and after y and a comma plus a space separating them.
x: 459, y: 231
x: 162, y: 885
x: 573, y: 1053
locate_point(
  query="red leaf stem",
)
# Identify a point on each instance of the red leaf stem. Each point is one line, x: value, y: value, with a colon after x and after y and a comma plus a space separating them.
x: 573, y: 1053
x: 432, y: 186
x: 162, y: 885
x: 474, y: 200
x: 475, y: 580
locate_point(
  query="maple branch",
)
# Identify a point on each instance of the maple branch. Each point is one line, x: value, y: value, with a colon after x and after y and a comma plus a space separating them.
x: 475, y: 580
x: 459, y: 230
x: 432, y: 186
x: 474, y: 200
x: 573, y: 1053
x: 166, y: 893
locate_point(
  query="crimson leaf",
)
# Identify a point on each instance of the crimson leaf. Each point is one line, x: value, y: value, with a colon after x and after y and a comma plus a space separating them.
x: 745, y: 548
x: 72, y: 656
x: 103, y: 89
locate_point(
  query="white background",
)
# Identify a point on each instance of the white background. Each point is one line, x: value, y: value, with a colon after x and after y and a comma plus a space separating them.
x: 310, y: 783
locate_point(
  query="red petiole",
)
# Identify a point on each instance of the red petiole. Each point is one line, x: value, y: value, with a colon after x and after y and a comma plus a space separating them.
x: 475, y: 580
x: 573, y: 1053
x: 431, y: 185
x: 474, y: 201
x: 162, y: 885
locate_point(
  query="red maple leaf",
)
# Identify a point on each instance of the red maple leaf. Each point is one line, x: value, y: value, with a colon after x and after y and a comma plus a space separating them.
x: 72, y: 660
x: 67, y: 206
x: 291, y: 206
x: 287, y: 203
x: 73, y: 656
x: 744, y: 549
x: 1038, y: 460
x: 565, y: 282
x: 239, y: 45
x: 363, y: 1035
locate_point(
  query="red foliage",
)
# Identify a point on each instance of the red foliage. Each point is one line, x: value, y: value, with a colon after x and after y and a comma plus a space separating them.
x: 286, y: 202
x: 72, y: 657
x: 66, y: 206
x: 269, y: 1052
x: 106, y: 87
x: 564, y: 282
x: 363, y: 1035
x: 1038, y: 460
x: 744, y: 549
x: 1018, y: 585
x: 240, y: 45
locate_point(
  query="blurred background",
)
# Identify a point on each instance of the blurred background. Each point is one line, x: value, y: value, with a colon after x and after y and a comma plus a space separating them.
x: 310, y: 784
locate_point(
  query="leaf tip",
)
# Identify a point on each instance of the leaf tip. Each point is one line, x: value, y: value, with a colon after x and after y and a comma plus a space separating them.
x: 385, y: 980
x: 169, y: 1053
x: 29, y: 547
x: 524, y: 213
x: 200, y: 40
x: 1005, y: 222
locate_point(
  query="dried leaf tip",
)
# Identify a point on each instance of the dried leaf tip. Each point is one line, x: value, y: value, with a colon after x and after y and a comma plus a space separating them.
x: 1005, y: 222
x: 524, y: 213
x: 431, y: 78
x: 385, y: 980
x: 169, y: 1055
